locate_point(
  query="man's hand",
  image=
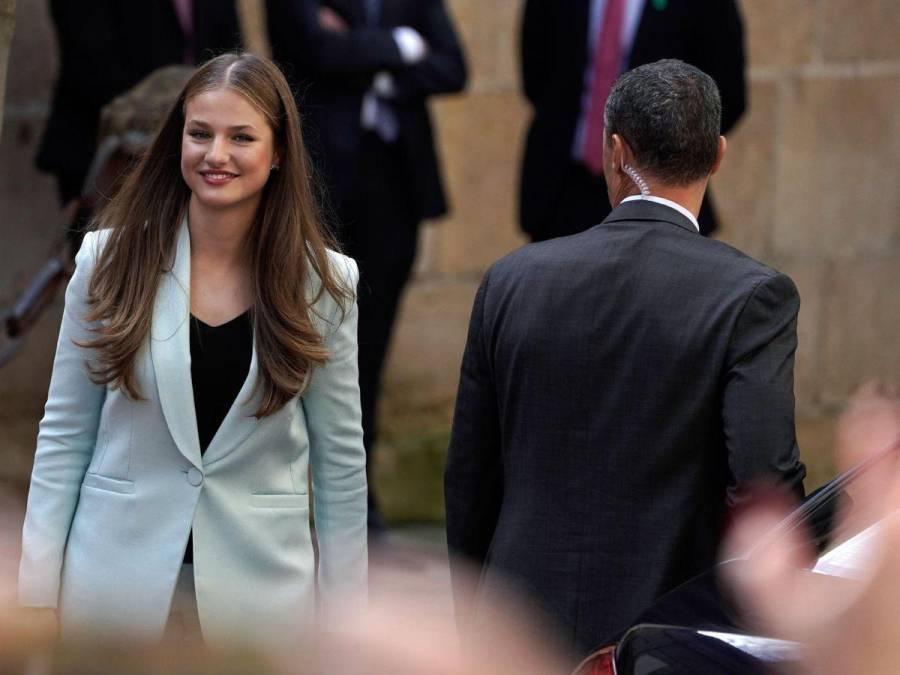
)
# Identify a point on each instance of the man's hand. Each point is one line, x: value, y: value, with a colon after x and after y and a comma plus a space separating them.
x: 331, y: 21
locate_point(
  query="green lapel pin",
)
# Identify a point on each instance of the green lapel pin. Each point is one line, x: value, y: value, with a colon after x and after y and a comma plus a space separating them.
x: 660, y: 5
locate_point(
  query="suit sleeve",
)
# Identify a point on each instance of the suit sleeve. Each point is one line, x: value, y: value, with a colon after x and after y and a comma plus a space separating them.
x: 535, y: 49
x: 758, y: 397
x: 473, y: 486
x: 338, y: 461
x: 721, y: 55
x: 65, y: 445
x: 443, y: 70
x: 323, y: 54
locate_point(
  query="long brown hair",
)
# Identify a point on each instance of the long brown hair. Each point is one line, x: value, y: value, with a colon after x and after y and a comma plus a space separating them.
x: 288, y: 240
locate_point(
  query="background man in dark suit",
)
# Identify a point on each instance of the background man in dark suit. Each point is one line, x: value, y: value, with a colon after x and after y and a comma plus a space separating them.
x: 105, y: 48
x: 363, y: 70
x: 620, y: 386
x: 571, y: 53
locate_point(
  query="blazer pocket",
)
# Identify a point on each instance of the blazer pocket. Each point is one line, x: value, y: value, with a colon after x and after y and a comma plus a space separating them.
x: 98, y: 482
x: 279, y: 501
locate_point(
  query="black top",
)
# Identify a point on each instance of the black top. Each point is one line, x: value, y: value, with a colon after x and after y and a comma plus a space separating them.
x: 220, y: 361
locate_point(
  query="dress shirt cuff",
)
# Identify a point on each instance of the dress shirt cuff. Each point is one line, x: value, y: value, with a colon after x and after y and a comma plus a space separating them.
x: 411, y: 44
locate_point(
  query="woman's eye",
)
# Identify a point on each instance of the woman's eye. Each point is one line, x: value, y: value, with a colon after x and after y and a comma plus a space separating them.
x: 243, y: 138
x: 198, y: 133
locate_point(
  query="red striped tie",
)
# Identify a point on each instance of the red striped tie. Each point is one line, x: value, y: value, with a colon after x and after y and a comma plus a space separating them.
x: 607, y: 61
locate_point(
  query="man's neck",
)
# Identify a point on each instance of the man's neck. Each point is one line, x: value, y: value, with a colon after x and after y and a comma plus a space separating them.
x: 688, y: 196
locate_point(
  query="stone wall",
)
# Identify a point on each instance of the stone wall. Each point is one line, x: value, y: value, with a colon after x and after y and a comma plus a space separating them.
x: 7, y: 22
x: 810, y: 186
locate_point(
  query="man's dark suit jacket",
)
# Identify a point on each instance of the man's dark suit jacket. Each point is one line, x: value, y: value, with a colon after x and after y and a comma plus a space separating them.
x: 332, y: 71
x: 618, y: 387
x: 108, y: 46
x: 554, y: 53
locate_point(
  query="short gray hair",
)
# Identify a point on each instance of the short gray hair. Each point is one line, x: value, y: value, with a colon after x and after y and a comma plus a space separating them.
x: 670, y: 114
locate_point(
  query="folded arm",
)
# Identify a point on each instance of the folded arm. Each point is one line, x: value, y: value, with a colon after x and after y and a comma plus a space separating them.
x: 443, y: 68
x: 325, y: 53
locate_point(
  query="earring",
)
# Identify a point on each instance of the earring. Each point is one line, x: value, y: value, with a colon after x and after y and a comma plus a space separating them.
x: 274, y: 167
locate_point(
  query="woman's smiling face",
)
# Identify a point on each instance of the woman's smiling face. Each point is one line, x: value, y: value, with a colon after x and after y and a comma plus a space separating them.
x: 227, y: 149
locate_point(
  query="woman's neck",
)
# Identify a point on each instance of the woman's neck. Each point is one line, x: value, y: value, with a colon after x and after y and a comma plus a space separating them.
x: 220, y: 233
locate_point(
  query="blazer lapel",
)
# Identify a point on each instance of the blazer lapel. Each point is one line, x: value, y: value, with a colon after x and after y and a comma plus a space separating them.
x: 240, y: 420
x: 170, y: 350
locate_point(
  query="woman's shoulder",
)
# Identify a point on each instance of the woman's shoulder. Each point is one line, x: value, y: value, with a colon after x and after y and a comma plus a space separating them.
x: 94, y: 241
x: 343, y: 266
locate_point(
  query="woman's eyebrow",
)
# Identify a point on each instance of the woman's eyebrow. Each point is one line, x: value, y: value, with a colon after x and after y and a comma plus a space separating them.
x: 236, y: 127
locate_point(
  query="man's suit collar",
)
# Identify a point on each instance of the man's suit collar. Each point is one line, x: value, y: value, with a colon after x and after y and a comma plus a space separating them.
x: 646, y: 210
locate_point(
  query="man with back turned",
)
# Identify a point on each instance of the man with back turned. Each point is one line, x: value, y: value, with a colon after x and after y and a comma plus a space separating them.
x: 621, y: 386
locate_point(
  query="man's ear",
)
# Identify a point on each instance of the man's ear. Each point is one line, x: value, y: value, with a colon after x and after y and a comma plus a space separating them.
x: 720, y: 154
x: 615, y: 149
x: 622, y: 153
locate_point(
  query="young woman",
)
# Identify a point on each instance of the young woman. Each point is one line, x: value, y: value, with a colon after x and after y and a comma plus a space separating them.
x: 206, y: 362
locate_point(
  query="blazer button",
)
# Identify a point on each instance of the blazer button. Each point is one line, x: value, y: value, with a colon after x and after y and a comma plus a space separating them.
x: 195, y: 476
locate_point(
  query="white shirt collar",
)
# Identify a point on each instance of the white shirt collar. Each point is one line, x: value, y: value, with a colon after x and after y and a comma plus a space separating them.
x: 666, y: 202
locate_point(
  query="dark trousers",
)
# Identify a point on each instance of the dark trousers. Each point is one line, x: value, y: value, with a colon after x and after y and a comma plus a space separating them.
x: 582, y: 204
x: 379, y: 229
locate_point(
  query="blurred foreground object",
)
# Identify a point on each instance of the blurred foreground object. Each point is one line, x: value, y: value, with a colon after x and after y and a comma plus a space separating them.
x: 700, y: 628
x: 846, y: 622
x: 399, y: 634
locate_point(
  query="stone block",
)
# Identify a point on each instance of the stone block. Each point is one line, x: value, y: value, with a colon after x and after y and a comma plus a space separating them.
x: 482, y: 135
x: 25, y: 379
x: 30, y: 218
x: 252, y: 18
x: 489, y: 32
x: 779, y: 33
x: 33, y: 60
x: 29, y: 227
x: 508, y: 28
x: 838, y: 167
x: 423, y: 366
x: 17, y: 451
x: 7, y: 22
x: 811, y: 278
x: 744, y: 188
x: 420, y: 386
x: 862, y: 325
x: 815, y: 436
x: 860, y: 30
x: 409, y: 469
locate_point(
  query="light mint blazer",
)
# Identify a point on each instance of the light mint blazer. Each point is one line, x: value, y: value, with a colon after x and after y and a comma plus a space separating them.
x: 118, y: 484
